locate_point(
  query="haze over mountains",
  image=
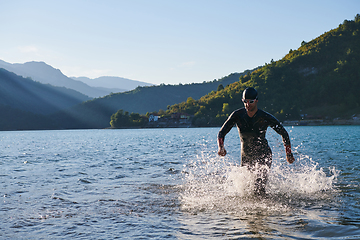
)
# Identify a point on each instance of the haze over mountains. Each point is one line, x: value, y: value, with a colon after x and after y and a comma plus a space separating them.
x: 26, y: 104
x: 117, y: 84
x: 44, y: 73
x: 28, y: 95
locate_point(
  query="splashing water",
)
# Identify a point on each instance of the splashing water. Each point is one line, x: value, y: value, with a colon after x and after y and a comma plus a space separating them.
x: 306, y: 179
x: 213, y: 183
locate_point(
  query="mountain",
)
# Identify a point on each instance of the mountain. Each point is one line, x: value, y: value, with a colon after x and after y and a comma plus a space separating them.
x: 320, y: 80
x: 27, y: 95
x: 116, y: 84
x: 44, y: 73
x: 96, y: 113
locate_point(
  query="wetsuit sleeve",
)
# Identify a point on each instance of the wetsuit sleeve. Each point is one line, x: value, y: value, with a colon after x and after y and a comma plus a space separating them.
x: 227, y: 126
x: 279, y: 128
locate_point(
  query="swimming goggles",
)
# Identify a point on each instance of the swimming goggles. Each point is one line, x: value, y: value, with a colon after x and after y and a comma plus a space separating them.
x: 249, y: 101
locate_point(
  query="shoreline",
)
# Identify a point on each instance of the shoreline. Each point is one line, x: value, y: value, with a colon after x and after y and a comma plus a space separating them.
x: 321, y: 122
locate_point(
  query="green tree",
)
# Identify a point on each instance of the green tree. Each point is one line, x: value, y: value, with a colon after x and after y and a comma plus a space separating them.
x: 220, y: 87
x: 226, y: 108
x: 120, y: 119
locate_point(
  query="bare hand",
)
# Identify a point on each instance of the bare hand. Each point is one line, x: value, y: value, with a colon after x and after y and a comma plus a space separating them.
x: 222, y: 151
x: 290, y: 158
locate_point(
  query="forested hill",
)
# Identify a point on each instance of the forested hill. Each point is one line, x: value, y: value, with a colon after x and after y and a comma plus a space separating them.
x: 321, y: 79
x: 96, y: 113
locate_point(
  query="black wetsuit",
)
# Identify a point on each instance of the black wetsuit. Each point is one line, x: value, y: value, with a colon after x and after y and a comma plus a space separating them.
x: 255, y: 150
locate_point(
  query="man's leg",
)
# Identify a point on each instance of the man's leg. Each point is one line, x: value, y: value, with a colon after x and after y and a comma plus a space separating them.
x: 262, y: 172
x: 260, y: 182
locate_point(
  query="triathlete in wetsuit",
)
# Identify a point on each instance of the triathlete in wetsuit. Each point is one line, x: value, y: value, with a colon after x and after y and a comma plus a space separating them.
x: 252, y: 124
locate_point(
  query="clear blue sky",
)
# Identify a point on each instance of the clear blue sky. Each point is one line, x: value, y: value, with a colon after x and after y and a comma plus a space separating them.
x: 162, y: 41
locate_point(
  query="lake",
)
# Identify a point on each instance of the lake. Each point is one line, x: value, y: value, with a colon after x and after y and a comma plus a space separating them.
x: 170, y: 184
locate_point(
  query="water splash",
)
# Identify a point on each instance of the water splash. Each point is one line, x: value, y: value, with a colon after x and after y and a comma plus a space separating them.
x: 306, y: 178
x: 213, y: 183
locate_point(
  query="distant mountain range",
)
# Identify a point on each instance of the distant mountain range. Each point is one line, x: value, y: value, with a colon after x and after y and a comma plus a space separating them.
x: 96, y: 113
x: 44, y: 73
x: 116, y: 84
x: 33, y: 102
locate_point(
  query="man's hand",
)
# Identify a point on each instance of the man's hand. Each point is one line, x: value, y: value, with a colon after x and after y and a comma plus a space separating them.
x: 290, y: 158
x: 222, y: 151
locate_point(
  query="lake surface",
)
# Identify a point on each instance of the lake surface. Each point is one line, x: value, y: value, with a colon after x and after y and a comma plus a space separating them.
x: 170, y: 184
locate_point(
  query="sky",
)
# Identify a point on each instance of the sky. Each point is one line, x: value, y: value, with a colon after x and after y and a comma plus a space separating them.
x: 162, y: 41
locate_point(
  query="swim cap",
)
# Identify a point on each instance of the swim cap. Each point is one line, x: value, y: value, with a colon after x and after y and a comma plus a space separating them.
x: 250, y: 93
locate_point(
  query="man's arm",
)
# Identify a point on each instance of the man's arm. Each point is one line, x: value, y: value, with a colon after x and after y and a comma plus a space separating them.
x: 226, y: 127
x: 279, y: 128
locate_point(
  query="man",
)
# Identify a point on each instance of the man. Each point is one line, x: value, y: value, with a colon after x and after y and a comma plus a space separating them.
x: 252, y: 124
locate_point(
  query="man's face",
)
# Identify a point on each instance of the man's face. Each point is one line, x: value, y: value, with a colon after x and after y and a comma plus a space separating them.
x: 250, y: 104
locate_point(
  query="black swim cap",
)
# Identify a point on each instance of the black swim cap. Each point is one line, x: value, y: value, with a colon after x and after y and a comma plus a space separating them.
x: 250, y: 93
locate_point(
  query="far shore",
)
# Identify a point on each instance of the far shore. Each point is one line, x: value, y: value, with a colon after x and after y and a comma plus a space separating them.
x: 322, y: 122
x: 285, y: 123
